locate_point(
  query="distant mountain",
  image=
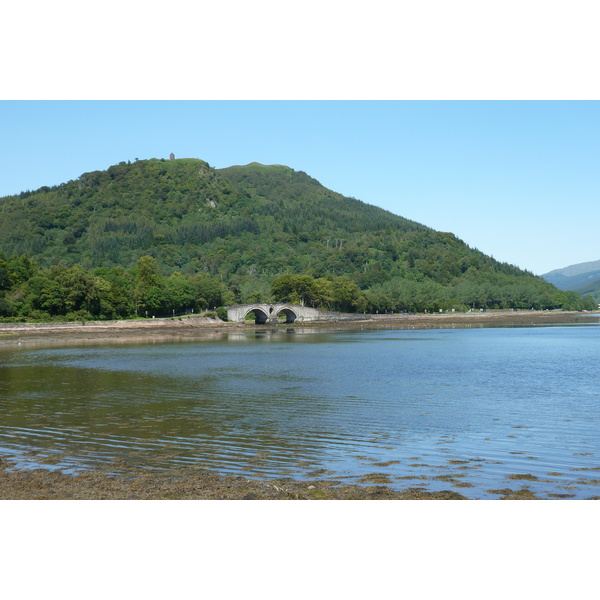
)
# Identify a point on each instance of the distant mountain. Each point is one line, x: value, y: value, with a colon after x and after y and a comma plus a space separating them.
x: 575, y: 277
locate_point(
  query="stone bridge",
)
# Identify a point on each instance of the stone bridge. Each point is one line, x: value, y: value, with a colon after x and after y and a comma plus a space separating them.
x: 269, y: 313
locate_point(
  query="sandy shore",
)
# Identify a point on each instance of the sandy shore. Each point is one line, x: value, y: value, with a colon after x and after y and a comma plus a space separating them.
x: 158, y: 330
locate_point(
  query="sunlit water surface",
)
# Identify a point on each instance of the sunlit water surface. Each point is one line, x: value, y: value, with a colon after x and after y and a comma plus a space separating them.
x: 471, y: 410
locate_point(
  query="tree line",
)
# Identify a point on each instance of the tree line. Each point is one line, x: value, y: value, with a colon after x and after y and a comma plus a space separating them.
x: 31, y: 293
x: 404, y: 295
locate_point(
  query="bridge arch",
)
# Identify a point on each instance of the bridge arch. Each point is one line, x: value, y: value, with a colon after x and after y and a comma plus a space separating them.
x: 263, y: 314
x: 260, y: 316
x: 270, y: 313
x: 290, y: 315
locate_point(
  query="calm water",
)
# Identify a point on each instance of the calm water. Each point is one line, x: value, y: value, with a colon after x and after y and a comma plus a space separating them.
x: 460, y: 409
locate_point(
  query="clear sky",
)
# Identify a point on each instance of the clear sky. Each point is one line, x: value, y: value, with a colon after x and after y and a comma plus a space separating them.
x: 518, y: 180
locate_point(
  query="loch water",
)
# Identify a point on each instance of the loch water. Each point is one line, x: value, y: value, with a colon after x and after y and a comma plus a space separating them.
x: 474, y: 410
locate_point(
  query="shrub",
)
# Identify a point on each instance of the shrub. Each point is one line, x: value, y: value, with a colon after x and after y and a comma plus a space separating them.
x: 7, y: 308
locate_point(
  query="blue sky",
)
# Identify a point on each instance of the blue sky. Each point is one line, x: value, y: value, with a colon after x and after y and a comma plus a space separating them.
x: 515, y: 179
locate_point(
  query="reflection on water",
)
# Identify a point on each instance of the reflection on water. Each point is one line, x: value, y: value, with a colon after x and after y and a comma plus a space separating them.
x: 466, y: 409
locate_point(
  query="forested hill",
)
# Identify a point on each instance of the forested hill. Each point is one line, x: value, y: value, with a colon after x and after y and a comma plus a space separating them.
x: 244, y: 227
x: 298, y: 203
x: 112, y: 217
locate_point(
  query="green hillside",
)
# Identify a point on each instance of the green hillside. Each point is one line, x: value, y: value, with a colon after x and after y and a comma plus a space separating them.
x: 162, y: 236
x: 591, y: 289
x: 112, y: 217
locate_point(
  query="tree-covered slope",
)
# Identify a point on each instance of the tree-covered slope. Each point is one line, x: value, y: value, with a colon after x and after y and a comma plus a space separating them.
x: 112, y: 217
x: 341, y: 235
x: 243, y: 227
x: 591, y: 289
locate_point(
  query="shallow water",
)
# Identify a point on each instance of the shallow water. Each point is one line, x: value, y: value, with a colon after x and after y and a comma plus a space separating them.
x: 471, y: 410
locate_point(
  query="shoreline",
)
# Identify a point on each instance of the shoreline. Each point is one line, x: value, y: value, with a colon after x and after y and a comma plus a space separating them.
x: 168, y: 330
x: 199, y: 484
